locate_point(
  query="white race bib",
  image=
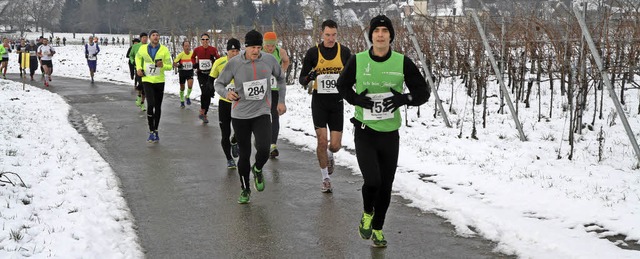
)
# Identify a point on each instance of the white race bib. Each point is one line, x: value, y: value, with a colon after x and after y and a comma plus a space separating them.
x: 377, y: 113
x: 32, y: 53
x: 274, y: 83
x: 187, y: 65
x: 255, y: 90
x: 152, y: 70
x: 93, y: 57
x: 231, y: 87
x: 327, y: 83
x: 204, y: 64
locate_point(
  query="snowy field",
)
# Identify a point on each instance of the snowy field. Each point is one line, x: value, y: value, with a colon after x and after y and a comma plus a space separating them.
x: 518, y: 194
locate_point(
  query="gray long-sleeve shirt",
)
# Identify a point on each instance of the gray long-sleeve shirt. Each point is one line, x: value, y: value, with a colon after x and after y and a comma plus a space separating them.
x: 252, y: 83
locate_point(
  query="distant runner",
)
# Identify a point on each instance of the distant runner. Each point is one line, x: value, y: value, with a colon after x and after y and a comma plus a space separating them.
x: 152, y: 60
x: 5, y: 57
x: 203, y: 58
x: 137, y: 84
x: 91, y: 51
x: 45, y: 52
x: 184, y: 64
x: 271, y: 47
x: 230, y: 147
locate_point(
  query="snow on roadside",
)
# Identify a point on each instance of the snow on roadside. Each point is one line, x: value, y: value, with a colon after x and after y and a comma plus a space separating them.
x: 71, y: 204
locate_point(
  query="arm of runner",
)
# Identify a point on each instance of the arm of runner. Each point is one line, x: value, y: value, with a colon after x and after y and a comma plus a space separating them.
x: 285, y: 60
x: 167, y: 63
x: 307, y: 65
x: 223, y: 80
x: 138, y: 64
x: 346, y: 80
x: 416, y: 83
x: 178, y: 59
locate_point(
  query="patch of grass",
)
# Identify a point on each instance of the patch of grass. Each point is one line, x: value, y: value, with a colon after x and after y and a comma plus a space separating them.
x: 16, y: 235
x: 74, y: 210
x: 26, y: 201
x: 502, y: 136
x: 548, y: 137
x: 11, y: 152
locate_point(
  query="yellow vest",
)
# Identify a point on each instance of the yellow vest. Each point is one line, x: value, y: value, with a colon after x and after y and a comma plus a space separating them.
x: 217, y: 68
x: 153, y: 74
x: 325, y: 66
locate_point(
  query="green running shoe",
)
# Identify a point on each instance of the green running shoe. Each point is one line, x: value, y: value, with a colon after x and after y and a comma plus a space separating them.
x: 259, y: 179
x: 138, y: 101
x: 378, y: 239
x: 365, y: 225
x: 245, y: 196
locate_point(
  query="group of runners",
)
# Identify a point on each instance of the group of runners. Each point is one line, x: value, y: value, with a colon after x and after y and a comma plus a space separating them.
x: 39, y: 52
x: 251, y: 84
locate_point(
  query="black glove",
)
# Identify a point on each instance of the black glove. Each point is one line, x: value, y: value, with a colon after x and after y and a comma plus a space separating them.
x: 394, y: 102
x: 180, y: 66
x: 312, y: 75
x: 86, y: 56
x: 363, y: 100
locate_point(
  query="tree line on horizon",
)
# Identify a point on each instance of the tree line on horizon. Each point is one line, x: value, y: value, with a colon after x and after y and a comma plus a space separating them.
x: 134, y: 16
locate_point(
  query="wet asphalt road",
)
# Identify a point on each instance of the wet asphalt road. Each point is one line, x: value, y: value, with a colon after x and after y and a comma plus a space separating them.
x: 184, y: 199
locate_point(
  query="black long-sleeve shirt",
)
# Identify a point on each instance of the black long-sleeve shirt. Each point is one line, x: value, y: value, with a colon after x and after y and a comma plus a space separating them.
x: 416, y: 83
x: 311, y: 58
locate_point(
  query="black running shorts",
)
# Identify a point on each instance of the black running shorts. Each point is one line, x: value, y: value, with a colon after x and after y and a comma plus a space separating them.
x: 185, y: 75
x: 47, y: 63
x: 327, y: 109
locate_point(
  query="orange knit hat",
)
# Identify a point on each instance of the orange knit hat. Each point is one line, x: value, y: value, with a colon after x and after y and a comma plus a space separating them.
x: 270, y: 38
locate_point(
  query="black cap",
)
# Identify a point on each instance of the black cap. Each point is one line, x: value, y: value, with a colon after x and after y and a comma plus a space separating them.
x: 143, y: 34
x: 253, y: 38
x: 233, y: 43
x: 381, y: 20
x: 136, y: 40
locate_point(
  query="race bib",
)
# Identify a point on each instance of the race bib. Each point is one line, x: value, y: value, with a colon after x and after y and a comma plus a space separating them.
x: 327, y: 83
x: 32, y: 53
x: 152, y: 70
x: 255, y: 90
x: 187, y: 66
x: 231, y: 87
x: 204, y: 64
x: 274, y: 83
x: 377, y: 113
x: 93, y: 57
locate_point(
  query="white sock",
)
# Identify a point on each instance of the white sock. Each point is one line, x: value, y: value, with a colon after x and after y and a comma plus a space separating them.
x: 329, y: 154
x: 325, y: 173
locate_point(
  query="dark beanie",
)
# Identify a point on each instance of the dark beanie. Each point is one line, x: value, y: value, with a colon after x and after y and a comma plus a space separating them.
x: 233, y: 43
x: 253, y: 38
x: 381, y: 20
x: 153, y: 31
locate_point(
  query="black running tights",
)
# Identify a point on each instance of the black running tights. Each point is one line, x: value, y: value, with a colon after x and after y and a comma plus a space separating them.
x: 275, y: 118
x: 224, y: 114
x: 154, y: 94
x: 261, y: 128
x: 377, y: 154
x: 205, y: 82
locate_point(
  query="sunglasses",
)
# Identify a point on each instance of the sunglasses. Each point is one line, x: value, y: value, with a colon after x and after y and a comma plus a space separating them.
x: 204, y: 39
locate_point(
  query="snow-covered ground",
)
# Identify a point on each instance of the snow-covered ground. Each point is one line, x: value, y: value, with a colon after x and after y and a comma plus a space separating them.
x: 518, y: 194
